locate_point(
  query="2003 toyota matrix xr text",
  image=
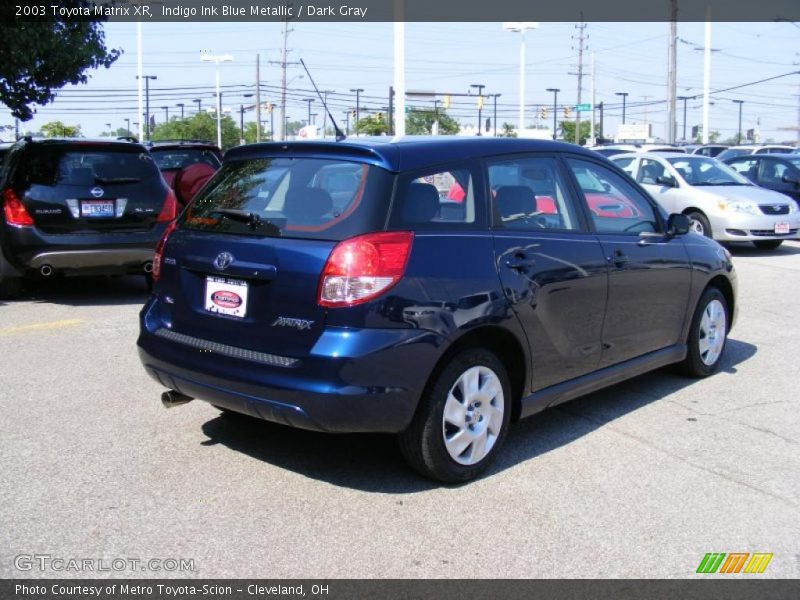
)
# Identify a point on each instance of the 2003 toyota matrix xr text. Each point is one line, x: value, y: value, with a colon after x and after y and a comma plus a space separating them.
x: 434, y: 288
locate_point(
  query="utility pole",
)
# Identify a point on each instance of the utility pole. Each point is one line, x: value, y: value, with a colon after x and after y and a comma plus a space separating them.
x: 283, y: 63
x: 391, y: 110
x: 672, y: 71
x: 494, y: 118
x: 591, y: 125
x: 601, y: 133
x: 258, y: 97
x: 480, y: 87
x: 358, y: 103
x: 739, y: 131
x: 684, y: 98
x: 309, y: 101
x: 706, y: 73
x: 581, y: 27
x: 555, y: 106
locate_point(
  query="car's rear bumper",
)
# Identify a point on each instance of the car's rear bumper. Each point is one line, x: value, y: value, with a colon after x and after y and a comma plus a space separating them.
x: 351, y: 381
x: 30, y: 249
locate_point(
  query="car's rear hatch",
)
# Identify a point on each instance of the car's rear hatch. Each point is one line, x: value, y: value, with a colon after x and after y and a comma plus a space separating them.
x: 76, y: 187
x: 244, y: 265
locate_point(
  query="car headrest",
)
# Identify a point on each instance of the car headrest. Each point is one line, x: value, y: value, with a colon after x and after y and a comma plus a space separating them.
x: 189, y: 180
x: 307, y: 204
x: 422, y: 203
x: 515, y: 199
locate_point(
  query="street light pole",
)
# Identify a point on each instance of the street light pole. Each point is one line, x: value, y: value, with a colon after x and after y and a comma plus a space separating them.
x: 147, y: 79
x: 739, y: 133
x: 520, y: 28
x: 166, y: 112
x: 684, y: 98
x: 180, y: 105
x: 128, y: 126
x: 309, y: 101
x: 480, y: 87
x: 555, y: 108
x: 217, y: 59
x: 199, y: 102
x: 624, y: 98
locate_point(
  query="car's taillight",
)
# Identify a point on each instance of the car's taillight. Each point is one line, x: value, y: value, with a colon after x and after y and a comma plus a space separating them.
x: 14, y: 210
x: 158, y: 256
x: 170, y: 209
x: 364, y: 267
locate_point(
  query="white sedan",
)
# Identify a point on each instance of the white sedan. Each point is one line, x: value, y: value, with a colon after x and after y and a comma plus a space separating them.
x: 720, y: 203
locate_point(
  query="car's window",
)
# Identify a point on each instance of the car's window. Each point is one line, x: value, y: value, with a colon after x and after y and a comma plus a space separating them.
x: 529, y: 193
x: 439, y: 198
x: 85, y: 166
x: 178, y: 158
x: 626, y: 164
x: 293, y: 197
x: 772, y: 171
x: 616, y: 206
x: 774, y: 151
x: 650, y: 171
x: 732, y: 153
x: 699, y: 170
x: 745, y: 166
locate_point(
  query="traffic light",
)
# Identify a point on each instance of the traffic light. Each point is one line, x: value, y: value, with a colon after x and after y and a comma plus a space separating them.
x: 270, y: 106
x: 446, y: 101
x: 353, y: 113
x: 480, y: 101
x: 567, y: 112
x: 379, y: 116
x: 543, y: 112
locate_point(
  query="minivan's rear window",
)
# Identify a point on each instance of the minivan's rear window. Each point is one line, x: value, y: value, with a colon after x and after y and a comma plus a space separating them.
x: 299, y: 197
x: 87, y: 165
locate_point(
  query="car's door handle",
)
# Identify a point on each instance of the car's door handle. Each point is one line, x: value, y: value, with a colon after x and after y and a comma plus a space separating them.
x: 618, y: 258
x: 520, y: 262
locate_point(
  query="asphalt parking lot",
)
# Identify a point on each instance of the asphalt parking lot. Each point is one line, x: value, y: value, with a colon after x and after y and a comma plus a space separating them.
x: 640, y: 480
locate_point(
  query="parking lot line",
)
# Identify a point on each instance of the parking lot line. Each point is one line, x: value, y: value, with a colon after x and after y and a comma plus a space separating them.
x: 40, y: 326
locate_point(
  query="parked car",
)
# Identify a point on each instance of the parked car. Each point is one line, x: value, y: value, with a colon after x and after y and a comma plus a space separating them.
x: 710, y: 150
x: 719, y: 202
x: 388, y: 315
x: 744, y: 150
x: 778, y: 172
x: 186, y: 165
x: 77, y: 207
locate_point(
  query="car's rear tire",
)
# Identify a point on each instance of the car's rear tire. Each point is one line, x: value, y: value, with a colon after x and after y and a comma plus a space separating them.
x: 10, y: 288
x: 708, y: 335
x: 767, y: 244
x: 462, y: 420
x: 698, y: 223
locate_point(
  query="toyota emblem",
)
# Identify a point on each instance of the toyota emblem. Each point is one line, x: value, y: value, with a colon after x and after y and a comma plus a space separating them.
x: 223, y: 260
x: 97, y: 192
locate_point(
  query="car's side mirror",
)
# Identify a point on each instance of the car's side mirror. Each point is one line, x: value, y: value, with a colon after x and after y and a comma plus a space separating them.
x: 667, y: 180
x: 790, y: 179
x: 677, y: 224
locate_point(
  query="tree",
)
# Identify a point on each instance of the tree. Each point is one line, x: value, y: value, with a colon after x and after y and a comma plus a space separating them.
x: 508, y: 131
x: 568, y: 131
x: 37, y: 57
x: 58, y: 129
x: 200, y: 126
x: 372, y: 125
x: 419, y: 121
x: 116, y: 133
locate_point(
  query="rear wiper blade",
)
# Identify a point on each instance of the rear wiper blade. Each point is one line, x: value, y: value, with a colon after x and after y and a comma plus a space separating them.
x: 243, y: 216
x: 110, y: 180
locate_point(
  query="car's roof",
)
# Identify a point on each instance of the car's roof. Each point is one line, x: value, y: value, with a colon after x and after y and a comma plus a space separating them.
x: 656, y: 155
x: 409, y: 152
x: 171, y: 144
x: 757, y: 146
x: 59, y: 141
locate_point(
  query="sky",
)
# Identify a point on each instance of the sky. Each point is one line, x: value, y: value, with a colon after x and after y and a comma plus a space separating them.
x: 449, y: 58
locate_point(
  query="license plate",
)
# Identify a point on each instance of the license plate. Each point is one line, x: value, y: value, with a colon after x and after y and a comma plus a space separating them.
x: 226, y: 296
x: 97, y: 208
x: 781, y: 228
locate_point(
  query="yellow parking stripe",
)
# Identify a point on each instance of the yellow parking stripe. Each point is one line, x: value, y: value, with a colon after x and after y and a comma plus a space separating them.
x: 40, y: 326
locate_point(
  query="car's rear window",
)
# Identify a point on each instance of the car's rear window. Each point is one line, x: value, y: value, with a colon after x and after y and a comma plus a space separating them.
x: 293, y: 197
x: 90, y: 165
x: 178, y: 158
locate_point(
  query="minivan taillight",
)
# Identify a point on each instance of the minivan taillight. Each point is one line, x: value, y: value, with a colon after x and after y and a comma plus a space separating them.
x: 170, y: 209
x: 15, y: 211
x: 158, y: 256
x: 364, y: 267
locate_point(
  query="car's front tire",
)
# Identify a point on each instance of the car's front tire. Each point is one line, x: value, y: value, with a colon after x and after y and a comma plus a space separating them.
x: 462, y: 419
x: 708, y: 335
x: 698, y: 223
x: 767, y: 244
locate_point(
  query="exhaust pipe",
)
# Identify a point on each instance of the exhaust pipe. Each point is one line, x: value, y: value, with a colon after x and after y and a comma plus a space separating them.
x: 148, y: 267
x: 46, y: 270
x: 172, y: 399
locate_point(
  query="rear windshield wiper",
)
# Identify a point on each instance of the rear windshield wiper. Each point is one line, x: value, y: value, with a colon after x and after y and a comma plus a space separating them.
x: 246, y: 216
x: 111, y: 180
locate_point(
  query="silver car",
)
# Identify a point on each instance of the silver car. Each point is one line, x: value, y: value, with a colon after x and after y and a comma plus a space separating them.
x: 720, y: 203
